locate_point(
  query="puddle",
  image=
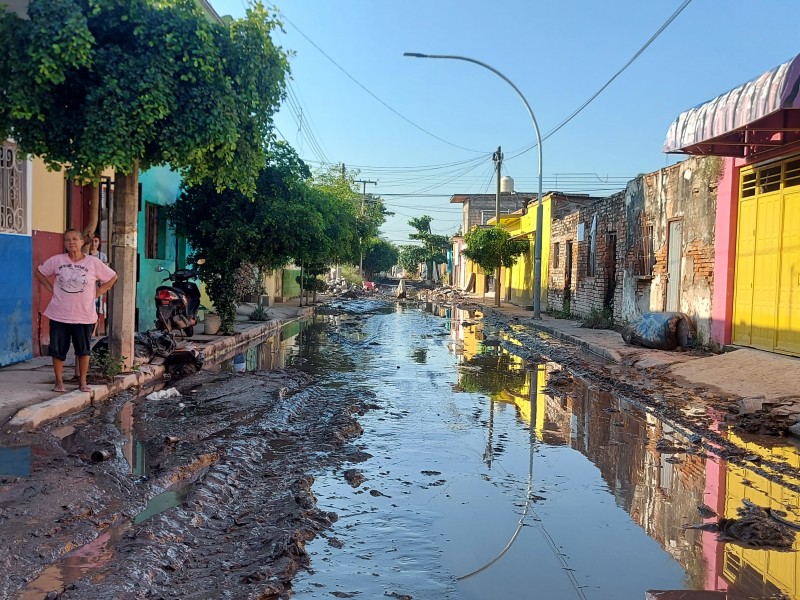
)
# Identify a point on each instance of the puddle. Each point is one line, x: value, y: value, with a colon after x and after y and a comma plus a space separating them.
x: 491, y: 477
x: 161, y: 502
x: 76, y: 564
x: 15, y: 461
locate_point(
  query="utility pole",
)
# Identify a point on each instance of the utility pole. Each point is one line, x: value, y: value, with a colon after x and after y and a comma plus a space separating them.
x: 363, y: 201
x: 498, y: 160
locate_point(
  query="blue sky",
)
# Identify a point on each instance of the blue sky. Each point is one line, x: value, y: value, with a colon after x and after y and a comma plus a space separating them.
x: 557, y: 53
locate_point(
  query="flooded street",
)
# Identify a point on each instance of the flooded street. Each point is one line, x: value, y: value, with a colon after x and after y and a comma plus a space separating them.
x: 493, y: 477
x: 401, y: 451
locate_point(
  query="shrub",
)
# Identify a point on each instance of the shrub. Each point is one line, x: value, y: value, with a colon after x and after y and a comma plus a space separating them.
x: 599, y: 319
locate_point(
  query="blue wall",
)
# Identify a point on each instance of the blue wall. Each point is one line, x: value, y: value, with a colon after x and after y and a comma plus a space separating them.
x: 160, y: 186
x: 16, y: 281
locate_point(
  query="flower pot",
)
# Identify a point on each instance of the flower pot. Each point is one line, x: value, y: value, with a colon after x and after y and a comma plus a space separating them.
x: 211, y: 324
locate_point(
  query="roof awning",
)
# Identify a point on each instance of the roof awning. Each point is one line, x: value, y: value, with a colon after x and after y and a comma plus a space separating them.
x: 760, y: 115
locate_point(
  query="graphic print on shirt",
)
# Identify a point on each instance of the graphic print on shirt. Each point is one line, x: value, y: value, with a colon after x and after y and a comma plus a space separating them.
x: 72, y: 278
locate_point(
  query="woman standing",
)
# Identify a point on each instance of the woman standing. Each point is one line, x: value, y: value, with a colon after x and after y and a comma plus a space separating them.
x: 72, y: 313
x: 99, y: 302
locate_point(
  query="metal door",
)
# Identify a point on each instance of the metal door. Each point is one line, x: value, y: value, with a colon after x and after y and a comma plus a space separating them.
x: 788, y: 326
x: 674, y: 239
x: 765, y: 272
x: 745, y: 262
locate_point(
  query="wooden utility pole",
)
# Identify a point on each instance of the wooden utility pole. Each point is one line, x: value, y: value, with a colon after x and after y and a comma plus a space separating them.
x: 498, y: 160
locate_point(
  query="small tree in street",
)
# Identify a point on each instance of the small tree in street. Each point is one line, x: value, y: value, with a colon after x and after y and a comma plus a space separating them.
x: 380, y: 256
x: 492, y: 248
x: 410, y: 257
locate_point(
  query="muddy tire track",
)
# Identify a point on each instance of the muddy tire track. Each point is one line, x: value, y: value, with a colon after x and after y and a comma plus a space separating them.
x: 237, y: 452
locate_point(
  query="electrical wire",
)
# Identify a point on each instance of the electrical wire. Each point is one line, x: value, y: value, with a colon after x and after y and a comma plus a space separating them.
x: 363, y: 87
x: 653, y: 37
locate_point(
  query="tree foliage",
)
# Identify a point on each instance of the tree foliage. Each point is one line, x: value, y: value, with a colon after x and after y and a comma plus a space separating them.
x: 228, y: 228
x: 434, y: 246
x: 492, y: 248
x: 410, y: 257
x: 380, y: 256
x: 88, y: 85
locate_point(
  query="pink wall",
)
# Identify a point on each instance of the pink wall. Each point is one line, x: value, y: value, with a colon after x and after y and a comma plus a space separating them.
x: 725, y: 252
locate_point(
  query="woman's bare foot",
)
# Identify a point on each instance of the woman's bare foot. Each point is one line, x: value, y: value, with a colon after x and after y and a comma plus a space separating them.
x: 85, y: 388
x: 59, y: 387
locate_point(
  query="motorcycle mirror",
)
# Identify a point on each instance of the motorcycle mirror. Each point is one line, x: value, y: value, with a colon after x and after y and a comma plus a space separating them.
x: 159, y: 269
x: 200, y: 261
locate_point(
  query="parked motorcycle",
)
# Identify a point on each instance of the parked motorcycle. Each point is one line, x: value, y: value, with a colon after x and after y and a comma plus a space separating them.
x: 177, y: 304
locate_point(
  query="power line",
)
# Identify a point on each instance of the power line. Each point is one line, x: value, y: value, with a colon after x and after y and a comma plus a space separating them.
x: 660, y: 30
x: 363, y: 87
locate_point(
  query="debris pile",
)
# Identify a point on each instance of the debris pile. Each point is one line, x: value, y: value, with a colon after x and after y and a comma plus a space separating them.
x: 756, y: 527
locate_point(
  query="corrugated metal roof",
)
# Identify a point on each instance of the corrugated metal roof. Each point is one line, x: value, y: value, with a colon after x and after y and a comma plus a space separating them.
x: 760, y: 115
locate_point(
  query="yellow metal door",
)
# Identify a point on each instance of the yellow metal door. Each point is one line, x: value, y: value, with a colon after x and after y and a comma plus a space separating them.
x: 788, y: 317
x: 765, y: 272
x: 743, y: 285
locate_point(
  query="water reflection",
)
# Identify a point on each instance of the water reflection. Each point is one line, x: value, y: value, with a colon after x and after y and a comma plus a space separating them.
x: 653, y: 471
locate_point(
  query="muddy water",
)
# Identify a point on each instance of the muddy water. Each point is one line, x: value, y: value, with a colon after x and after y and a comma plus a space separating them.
x: 493, y: 477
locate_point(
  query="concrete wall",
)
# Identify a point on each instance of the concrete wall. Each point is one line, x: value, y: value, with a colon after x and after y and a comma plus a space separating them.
x: 725, y: 254
x: 16, y: 280
x: 49, y: 199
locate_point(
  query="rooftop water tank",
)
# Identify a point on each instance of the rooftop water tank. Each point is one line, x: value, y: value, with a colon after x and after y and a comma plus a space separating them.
x: 506, y: 184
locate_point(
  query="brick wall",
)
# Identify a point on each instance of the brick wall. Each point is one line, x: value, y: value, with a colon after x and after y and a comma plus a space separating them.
x: 588, y: 288
x: 631, y: 254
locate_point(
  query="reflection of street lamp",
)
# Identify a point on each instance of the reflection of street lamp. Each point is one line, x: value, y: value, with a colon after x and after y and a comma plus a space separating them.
x: 537, y: 252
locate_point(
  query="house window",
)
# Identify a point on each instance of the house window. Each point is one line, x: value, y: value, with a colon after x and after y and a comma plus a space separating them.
x: 556, y: 255
x: 155, y: 232
x: 13, y: 218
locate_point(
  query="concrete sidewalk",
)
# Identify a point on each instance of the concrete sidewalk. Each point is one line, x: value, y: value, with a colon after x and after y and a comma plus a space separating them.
x: 744, y: 372
x: 27, y: 399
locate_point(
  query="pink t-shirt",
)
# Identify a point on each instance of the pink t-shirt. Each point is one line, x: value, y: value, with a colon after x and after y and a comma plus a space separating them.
x: 75, y: 287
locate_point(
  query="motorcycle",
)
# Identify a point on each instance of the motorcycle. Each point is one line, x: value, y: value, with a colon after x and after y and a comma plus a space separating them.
x: 177, y: 304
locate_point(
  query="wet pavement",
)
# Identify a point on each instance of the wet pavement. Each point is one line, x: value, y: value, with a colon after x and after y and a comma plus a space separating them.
x: 483, y: 464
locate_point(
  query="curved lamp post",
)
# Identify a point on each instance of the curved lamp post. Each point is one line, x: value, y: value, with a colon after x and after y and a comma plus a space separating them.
x: 537, y: 252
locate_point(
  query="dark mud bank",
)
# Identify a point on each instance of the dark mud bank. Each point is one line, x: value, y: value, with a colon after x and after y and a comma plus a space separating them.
x: 232, y: 458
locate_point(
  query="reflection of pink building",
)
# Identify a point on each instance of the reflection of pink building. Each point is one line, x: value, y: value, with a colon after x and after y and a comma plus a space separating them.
x: 714, y: 497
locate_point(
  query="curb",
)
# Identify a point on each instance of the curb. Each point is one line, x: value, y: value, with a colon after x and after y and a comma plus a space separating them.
x: 611, y: 355
x: 34, y: 416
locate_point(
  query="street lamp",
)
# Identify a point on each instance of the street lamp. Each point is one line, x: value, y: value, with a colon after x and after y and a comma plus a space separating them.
x: 537, y: 251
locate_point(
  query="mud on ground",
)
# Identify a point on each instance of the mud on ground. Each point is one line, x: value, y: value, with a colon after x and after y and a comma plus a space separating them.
x: 232, y: 458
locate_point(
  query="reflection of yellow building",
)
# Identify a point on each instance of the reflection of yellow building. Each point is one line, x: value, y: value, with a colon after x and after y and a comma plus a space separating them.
x: 779, y: 569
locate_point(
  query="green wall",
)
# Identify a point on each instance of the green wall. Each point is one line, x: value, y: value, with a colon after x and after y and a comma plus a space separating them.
x: 291, y: 289
x: 160, y: 187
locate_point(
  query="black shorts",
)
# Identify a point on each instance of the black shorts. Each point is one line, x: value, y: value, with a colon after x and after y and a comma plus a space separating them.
x: 61, y: 334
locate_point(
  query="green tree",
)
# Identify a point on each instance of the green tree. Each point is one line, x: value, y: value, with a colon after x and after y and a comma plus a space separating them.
x: 434, y: 246
x: 229, y: 228
x: 129, y: 84
x: 380, y: 256
x: 491, y: 248
x: 410, y: 257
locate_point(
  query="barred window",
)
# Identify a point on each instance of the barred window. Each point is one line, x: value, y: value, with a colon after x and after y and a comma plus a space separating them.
x: 13, y: 217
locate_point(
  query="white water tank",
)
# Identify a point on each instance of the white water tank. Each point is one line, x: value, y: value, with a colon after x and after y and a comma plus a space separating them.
x: 506, y: 184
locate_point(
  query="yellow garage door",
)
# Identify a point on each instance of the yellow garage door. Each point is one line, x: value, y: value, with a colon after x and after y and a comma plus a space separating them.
x: 767, y: 285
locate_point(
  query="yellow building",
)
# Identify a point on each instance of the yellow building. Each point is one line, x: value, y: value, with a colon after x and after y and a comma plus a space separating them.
x: 518, y: 280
